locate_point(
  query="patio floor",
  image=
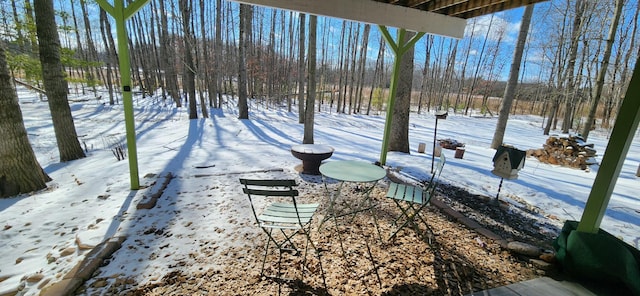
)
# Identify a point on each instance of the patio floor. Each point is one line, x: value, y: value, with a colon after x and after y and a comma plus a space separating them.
x: 550, y: 286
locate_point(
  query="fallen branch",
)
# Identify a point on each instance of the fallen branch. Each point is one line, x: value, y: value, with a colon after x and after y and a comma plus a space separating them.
x: 205, y: 166
x: 239, y: 173
x: 29, y: 86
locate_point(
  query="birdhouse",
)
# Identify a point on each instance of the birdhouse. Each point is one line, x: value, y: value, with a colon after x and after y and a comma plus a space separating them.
x: 508, y: 161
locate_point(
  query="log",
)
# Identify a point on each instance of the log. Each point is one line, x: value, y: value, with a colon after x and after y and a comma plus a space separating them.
x: 29, y: 86
x: 239, y: 173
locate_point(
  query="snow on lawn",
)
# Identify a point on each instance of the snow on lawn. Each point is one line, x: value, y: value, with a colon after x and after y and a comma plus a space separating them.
x: 89, y: 200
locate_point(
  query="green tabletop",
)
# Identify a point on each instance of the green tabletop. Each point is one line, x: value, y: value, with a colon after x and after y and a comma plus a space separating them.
x: 352, y: 171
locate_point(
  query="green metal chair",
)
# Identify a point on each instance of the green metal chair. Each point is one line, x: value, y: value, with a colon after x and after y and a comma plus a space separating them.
x: 411, y: 200
x: 286, y: 218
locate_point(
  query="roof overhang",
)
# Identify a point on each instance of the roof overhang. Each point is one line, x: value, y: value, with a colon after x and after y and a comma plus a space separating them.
x: 374, y: 12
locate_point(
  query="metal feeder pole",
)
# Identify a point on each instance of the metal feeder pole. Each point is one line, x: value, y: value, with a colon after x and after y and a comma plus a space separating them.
x: 499, y: 188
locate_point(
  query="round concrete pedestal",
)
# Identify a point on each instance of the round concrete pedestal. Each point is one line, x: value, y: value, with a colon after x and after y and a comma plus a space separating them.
x: 312, y: 156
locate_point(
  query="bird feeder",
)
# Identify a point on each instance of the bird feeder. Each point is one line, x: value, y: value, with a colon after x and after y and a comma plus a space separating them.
x: 507, y: 162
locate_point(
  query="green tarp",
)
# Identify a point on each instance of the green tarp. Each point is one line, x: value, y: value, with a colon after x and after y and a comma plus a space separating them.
x: 598, y: 257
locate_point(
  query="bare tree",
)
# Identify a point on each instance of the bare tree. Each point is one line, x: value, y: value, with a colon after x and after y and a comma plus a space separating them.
x: 55, y: 83
x: 20, y: 171
x: 361, y: 66
x: 218, y: 55
x: 377, y: 73
x: 399, y: 138
x: 105, y: 29
x: 510, y: 90
x: 576, y: 34
x: 166, y: 56
x: 311, y: 96
x: 301, y: 68
x: 189, y: 68
x: 243, y: 43
x: 603, y: 69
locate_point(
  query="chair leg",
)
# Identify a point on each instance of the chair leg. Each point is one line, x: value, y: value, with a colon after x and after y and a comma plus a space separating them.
x: 409, y: 214
x: 304, y: 260
x: 404, y: 215
x: 266, y: 250
x: 279, y: 274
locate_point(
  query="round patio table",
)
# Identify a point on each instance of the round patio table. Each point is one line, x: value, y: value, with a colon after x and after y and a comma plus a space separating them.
x: 352, y: 171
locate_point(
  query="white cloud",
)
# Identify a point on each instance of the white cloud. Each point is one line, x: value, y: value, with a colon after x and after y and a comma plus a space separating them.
x: 494, y: 27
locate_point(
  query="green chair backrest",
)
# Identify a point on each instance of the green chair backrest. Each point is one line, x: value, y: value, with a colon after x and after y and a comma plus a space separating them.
x: 431, y: 187
x: 269, y: 188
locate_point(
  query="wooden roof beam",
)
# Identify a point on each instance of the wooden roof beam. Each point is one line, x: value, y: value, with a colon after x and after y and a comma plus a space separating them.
x: 440, y: 5
x: 474, y: 8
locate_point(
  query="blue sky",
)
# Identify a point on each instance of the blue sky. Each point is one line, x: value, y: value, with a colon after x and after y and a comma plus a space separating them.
x: 504, y: 29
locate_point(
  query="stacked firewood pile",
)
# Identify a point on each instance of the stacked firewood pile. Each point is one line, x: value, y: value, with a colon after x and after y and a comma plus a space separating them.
x: 571, y: 151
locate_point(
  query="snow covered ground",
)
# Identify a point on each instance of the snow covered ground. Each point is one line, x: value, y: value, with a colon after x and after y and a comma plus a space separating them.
x: 89, y: 200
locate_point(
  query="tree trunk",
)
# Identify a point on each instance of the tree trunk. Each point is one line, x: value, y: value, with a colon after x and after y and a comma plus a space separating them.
x: 55, y: 83
x: 399, y: 138
x: 463, y: 72
x: 573, y: 53
x: 377, y: 72
x: 510, y: 90
x: 603, y: 69
x: 362, y: 66
x: 243, y: 107
x: 301, y: 68
x: 189, y: 83
x: 449, y: 73
x: 20, y: 171
x: 617, y: 95
x: 104, y: 30
x: 311, y: 96
x: 91, y: 48
x: 475, y: 75
x: 166, y: 54
x: 205, y: 68
x: 352, y: 78
x: 217, y: 63
x: 340, y: 68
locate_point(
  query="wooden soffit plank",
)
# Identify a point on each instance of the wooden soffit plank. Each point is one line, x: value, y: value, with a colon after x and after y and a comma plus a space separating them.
x: 373, y: 12
x: 474, y: 8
